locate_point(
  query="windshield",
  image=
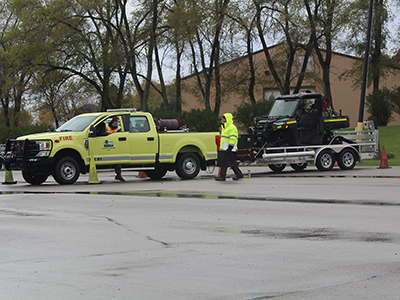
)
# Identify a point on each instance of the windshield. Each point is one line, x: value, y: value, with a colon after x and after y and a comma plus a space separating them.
x: 283, y: 108
x: 78, y: 123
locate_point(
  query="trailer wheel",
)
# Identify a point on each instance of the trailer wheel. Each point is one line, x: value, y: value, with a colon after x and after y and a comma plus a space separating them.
x: 66, y: 170
x: 188, y: 166
x: 34, y: 179
x: 277, y: 168
x: 298, y: 167
x: 347, y: 159
x: 325, y: 161
x: 157, y: 173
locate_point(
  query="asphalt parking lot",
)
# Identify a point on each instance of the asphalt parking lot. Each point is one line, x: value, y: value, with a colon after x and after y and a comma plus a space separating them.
x: 308, y: 235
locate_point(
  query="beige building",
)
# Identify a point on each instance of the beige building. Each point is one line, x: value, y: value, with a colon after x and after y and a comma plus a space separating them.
x: 234, y: 86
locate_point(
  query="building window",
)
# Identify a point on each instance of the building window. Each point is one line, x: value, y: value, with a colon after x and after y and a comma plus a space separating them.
x: 310, y: 63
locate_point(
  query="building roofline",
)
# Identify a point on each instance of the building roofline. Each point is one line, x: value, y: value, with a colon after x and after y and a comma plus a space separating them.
x: 276, y: 45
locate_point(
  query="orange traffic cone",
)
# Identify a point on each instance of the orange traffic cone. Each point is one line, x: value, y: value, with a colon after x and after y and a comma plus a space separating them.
x: 384, y: 160
x: 142, y: 174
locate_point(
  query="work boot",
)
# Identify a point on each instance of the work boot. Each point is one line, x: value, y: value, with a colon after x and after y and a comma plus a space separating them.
x: 238, y: 173
x: 220, y: 178
x: 222, y: 174
x: 119, y: 177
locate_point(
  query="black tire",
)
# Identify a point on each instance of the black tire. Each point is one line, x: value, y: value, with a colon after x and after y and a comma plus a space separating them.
x: 66, y: 170
x: 188, y: 166
x: 325, y: 161
x: 298, y: 167
x: 34, y: 179
x: 347, y: 159
x: 277, y: 168
x: 156, y: 174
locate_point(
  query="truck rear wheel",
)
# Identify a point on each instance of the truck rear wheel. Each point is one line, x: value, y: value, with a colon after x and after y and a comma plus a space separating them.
x: 277, y: 168
x: 188, y: 166
x: 157, y: 173
x: 66, y: 170
x: 325, y: 161
x: 34, y: 179
x: 347, y: 159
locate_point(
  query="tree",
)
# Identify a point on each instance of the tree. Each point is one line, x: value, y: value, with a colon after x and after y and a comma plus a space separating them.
x: 60, y: 95
x: 245, y: 17
x: 17, y: 49
x: 209, y: 30
x: 155, y: 100
x: 380, y: 63
x: 140, y: 35
x: 87, y: 45
x: 283, y: 19
x: 379, y: 106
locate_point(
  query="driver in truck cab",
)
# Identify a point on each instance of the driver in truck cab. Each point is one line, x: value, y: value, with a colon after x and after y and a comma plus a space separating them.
x: 112, y: 127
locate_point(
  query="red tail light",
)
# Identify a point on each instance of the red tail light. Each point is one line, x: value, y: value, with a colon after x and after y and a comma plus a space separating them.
x: 218, y: 140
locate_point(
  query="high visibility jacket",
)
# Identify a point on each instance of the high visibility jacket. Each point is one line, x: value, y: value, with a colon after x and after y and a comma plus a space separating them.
x: 229, y: 133
x: 110, y: 130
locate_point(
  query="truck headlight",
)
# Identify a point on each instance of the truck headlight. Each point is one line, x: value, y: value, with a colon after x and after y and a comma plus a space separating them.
x: 43, y: 147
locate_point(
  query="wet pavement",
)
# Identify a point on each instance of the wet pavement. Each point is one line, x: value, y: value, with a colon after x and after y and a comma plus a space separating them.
x: 307, y: 235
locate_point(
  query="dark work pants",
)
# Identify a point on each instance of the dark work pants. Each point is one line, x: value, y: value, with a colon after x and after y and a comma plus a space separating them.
x: 118, y: 169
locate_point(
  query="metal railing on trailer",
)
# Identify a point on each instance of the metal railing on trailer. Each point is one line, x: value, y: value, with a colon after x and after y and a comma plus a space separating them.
x: 345, y: 148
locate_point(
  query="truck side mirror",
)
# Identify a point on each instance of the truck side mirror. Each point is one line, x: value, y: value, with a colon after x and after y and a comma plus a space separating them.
x: 92, y: 131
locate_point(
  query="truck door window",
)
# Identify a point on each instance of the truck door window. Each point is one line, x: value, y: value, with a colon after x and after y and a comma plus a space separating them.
x: 100, y: 128
x: 139, y: 124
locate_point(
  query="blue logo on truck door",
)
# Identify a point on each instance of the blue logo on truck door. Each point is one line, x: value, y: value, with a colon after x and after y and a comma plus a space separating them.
x: 108, y: 143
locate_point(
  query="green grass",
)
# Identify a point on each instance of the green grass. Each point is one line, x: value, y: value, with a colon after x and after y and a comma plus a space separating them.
x: 389, y: 137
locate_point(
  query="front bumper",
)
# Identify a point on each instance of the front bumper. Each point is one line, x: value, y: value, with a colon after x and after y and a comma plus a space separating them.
x: 22, y: 155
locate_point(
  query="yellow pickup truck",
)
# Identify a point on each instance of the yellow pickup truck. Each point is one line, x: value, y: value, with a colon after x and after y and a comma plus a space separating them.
x: 142, y: 144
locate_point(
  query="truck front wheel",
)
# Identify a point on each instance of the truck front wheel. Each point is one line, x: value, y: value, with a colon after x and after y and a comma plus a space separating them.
x: 34, y: 179
x: 325, y: 161
x: 66, y: 170
x: 188, y: 166
x: 347, y: 159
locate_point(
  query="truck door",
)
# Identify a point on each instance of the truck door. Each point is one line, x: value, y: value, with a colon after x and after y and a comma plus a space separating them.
x: 143, y: 142
x: 109, y: 149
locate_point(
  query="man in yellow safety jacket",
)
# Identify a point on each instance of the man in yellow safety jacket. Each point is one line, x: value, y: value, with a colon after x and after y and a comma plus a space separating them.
x: 228, y: 148
x: 112, y: 127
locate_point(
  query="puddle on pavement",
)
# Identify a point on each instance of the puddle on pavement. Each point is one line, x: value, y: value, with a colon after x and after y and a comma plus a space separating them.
x: 325, y: 234
x: 209, y: 195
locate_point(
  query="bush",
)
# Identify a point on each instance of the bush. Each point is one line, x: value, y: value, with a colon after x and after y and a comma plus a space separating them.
x: 380, y: 107
x: 195, y: 119
x: 395, y: 99
x: 14, y: 132
x: 246, y: 112
x: 201, y: 120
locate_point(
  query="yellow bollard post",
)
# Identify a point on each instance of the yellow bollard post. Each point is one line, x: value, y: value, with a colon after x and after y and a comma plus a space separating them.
x: 93, y: 179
